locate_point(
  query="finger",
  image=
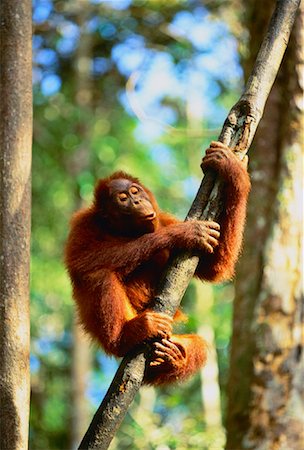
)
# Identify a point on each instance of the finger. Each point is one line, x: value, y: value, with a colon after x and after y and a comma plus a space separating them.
x: 168, y: 343
x: 217, y: 152
x: 167, y: 333
x: 212, y: 151
x: 212, y: 224
x: 163, y: 355
x: 209, y: 248
x: 164, y: 316
x: 157, y: 362
x: 173, y: 346
x: 156, y: 358
x: 209, y: 150
x: 212, y: 241
x: 168, y: 355
x: 170, y: 351
x: 162, y: 334
x: 164, y: 350
x: 218, y: 144
x: 160, y: 316
x: 164, y: 319
x: 214, y: 233
x: 160, y: 354
x: 163, y: 325
x: 209, y: 159
x: 167, y: 323
x: 160, y: 346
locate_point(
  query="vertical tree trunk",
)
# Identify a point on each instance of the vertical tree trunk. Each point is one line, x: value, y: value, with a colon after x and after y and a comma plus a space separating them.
x: 15, y: 205
x: 266, y: 404
x: 210, y: 388
x: 81, y: 356
x: 81, y: 363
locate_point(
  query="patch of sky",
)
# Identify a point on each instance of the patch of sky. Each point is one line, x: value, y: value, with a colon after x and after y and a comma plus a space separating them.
x: 190, y: 186
x: 129, y: 56
x: 223, y: 62
x: 148, y: 131
x: 151, y: 129
x: 159, y: 81
x: 114, y: 4
x: 205, y: 33
x: 37, y: 41
x: 202, y: 94
x: 101, y: 379
x: 123, y: 98
x: 66, y: 46
x: 34, y: 363
x: 109, y: 365
x: 162, y: 155
x: 69, y: 37
x: 93, y: 24
x: 96, y: 390
x: 100, y: 66
x: 164, y: 114
x: 50, y: 84
x: 195, y: 81
x: 43, y: 345
x: 45, y: 57
x: 161, y: 410
x: 68, y: 29
x: 198, y: 28
x: 41, y: 10
x: 37, y: 75
x: 217, y: 116
x: 198, y: 89
x: 214, y: 40
x: 201, y: 84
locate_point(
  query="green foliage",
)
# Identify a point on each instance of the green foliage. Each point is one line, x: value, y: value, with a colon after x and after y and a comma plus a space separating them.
x: 180, y: 431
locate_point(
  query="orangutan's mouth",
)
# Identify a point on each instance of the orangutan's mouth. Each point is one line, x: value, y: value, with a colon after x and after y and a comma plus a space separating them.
x: 150, y: 216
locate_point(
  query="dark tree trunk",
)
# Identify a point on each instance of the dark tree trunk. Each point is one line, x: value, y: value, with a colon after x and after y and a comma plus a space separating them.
x: 15, y: 207
x: 79, y: 161
x: 266, y: 404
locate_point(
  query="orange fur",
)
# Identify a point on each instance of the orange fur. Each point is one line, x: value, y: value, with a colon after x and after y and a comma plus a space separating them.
x: 114, y: 273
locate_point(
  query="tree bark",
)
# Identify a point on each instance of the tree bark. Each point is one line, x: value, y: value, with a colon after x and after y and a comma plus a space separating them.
x: 237, y: 132
x: 81, y: 363
x: 15, y: 207
x: 78, y: 163
x: 265, y: 392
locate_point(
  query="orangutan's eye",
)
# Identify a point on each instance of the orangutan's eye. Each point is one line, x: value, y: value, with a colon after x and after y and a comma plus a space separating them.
x: 134, y: 190
x: 122, y: 197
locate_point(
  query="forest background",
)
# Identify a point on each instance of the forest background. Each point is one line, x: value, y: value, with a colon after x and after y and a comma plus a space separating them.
x: 141, y: 86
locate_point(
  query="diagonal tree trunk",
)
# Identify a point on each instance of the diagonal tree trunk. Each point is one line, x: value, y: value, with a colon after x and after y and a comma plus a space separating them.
x: 237, y: 132
x: 266, y: 394
x: 15, y: 209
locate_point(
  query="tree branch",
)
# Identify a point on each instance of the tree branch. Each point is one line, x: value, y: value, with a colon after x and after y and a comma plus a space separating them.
x: 238, y: 132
